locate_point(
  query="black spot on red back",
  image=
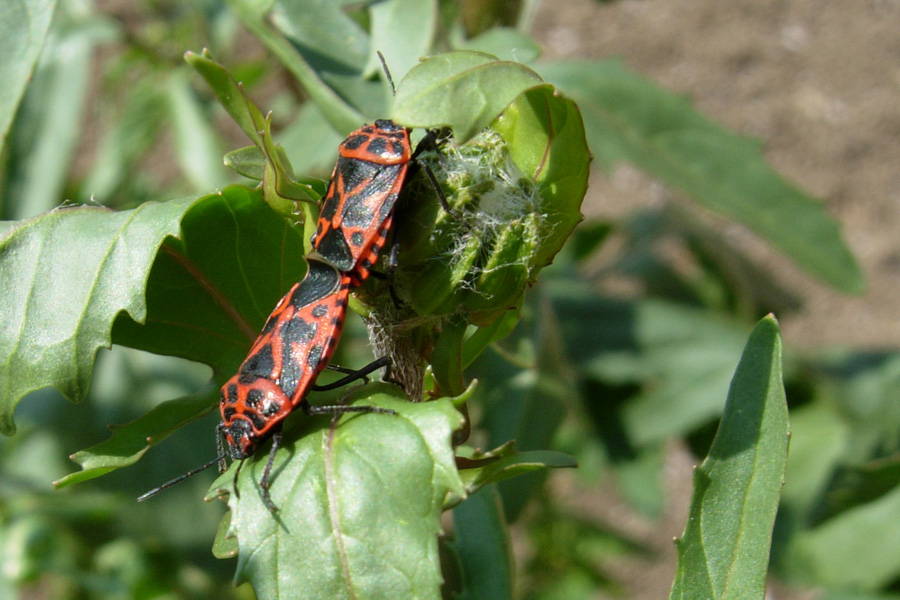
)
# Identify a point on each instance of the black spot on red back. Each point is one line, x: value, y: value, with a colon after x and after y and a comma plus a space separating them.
x: 260, y: 364
x: 355, y: 141
x: 377, y: 146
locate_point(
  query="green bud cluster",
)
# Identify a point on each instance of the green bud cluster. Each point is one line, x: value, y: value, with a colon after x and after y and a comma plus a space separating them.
x: 479, y: 259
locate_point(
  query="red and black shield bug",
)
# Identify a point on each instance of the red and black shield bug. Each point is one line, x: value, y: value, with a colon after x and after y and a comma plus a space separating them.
x: 356, y: 214
x: 294, y: 346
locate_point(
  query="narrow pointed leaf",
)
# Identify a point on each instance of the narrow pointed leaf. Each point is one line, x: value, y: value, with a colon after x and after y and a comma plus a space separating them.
x: 724, y: 552
x: 23, y: 26
x: 131, y: 441
x: 505, y: 462
x: 481, y: 543
x: 629, y: 118
x: 282, y: 191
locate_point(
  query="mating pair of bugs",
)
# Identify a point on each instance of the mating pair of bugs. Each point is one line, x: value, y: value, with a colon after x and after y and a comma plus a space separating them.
x: 301, y: 334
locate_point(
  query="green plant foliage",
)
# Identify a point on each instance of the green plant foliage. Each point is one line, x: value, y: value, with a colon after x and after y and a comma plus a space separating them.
x: 428, y: 95
x: 42, y: 143
x: 129, y: 442
x: 526, y: 401
x: 23, y: 27
x: 567, y: 371
x: 360, y: 502
x: 62, y: 303
x: 685, y: 358
x: 629, y: 118
x: 724, y: 551
x: 838, y: 553
x: 519, y: 195
x: 282, y: 191
x: 296, y: 32
x: 481, y: 545
x: 210, y: 292
x: 504, y: 462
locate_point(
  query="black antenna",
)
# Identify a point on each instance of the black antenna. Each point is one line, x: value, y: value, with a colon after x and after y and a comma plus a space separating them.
x: 386, y: 72
x: 180, y: 478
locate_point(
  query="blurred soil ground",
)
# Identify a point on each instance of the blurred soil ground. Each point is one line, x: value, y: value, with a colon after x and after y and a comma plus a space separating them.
x: 817, y: 81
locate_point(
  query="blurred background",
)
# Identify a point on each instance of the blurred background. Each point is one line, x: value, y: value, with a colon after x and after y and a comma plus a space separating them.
x: 817, y: 82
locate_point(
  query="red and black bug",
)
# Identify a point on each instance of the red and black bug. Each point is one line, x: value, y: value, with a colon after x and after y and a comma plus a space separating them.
x: 356, y: 214
x: 294, y: 346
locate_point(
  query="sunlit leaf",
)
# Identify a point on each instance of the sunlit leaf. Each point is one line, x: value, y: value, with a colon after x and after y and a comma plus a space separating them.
x: 60, y: 304
x: 724, y: 552
x: 359, y: 504
x: 430, y: 95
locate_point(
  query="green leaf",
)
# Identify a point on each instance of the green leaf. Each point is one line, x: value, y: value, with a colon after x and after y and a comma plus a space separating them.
x: 23, y: 26
x: 402, y: 30
x: 629, y: 118
x: 248, y: 161
x: 297, y: 54
x: 205, y: 298
x: 283, y: 192
x: 461, y: 90
x: 546, y: 141
x: 60, y: 304
x: 44, y: 137
x: 199, y: 155
x: 681, y: 357
x: 359, y: 503
x: 479, y: 469
x: 857, y: 550
x: 131, y: 441
x: 482, y: 546
x: 724, y: 552
x: 230, y: 93
x: 209, y: 293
